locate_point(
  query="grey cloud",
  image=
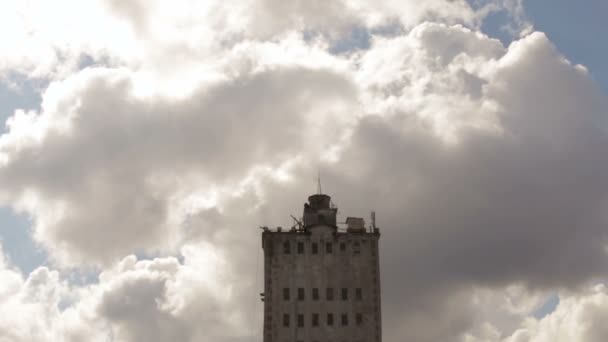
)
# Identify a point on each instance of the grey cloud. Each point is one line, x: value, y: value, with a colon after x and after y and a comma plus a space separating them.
x: 523, y: 205
x: 153, y: 300
x: 445, y: 43
x: 578, y: 317
x: 272, y: 16
x: 134, y: 11
x: 123, y: 157
x: 521, y: 200
x: 134, y: 306
x: 526, y: 205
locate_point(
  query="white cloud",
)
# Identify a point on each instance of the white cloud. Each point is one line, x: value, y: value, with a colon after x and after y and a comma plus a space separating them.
x: 206, y: 120
x: 88, y: 137
x: 578, y: 317
x: 135, y: 300
x: 50, y: 40
x: 436, y: 73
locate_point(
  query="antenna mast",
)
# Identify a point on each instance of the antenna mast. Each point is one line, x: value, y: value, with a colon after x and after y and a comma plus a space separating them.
x: 319, y: 190
x: 373, y: 222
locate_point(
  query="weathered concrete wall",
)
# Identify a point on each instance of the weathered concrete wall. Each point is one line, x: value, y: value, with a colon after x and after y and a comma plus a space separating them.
x: 352, y: 264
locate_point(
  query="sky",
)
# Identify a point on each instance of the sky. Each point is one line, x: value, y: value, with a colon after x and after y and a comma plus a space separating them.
x: 145, y: 142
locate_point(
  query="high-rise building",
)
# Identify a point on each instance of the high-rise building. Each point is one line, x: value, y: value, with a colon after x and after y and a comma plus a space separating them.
x: 321, y: 281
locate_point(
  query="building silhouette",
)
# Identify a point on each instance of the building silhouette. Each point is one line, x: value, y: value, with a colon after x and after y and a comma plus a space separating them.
x: 322, y: 282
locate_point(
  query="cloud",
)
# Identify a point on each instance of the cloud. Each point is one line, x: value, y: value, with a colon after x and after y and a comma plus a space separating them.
x: 48, y: 42
x: 153, y: 300
x: 177, y: 297
x: 483, y: 162
x: 99, y: 191
x: 579, y: 317
x: 517, y: 198
x: 28, y: 307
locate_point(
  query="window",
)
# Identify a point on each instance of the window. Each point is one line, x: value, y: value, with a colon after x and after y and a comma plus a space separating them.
x: 357, y: 247
x: 315, y: 293
x: 300, y: 320
x: 300, y: 248
x: 359, y: 319
x: 330, y: 319
x: 344, y: 319
x: 330, y: 293
x: 328, y: 248
x: 315, y: 248
x: 358, y: 294
x: 286, y: 294
x: 342, y: 247
x: 315, y: 320
x: 300, y: 293
x: 344, y: 294
x: 285, y: 320
x: 286, y: 247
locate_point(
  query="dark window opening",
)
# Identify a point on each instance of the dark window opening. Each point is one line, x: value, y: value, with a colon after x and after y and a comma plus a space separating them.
x: 300, y: 320
x: 300, y: 293
x: 330, y: 319
x: 300, y: 248
x: 285, y: 320
x: 315, y: 320
x: 344, y: 294
x: 357, y: 247
x: 359, y: 319
x: 359, y: 294
x: 286, y: 247
x: 344, y: 319
x: 286, y: 294
x: 328, y: 248
x: 315, y: 248
x: 315, y: 294
x: 342, y: 246
x: 330, y: 293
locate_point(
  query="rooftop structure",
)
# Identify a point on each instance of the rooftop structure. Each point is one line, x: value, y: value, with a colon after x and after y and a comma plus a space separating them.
x: 322, y: 282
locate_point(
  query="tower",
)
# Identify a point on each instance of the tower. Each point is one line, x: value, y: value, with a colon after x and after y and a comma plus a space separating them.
x: 322, y: 283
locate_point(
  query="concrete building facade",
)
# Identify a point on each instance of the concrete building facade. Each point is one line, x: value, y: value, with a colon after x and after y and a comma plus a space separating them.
x: 321, y: 282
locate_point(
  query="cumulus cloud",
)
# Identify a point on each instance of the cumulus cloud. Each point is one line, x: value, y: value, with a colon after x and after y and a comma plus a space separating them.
x: 174, y: 40
x: 482, y: 205
x: 134, y: 300
x: 94, y: 163
x: 579, y: 317
x: 198, y: 124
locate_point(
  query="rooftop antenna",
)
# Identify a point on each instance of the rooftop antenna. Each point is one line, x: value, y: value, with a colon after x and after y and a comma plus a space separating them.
x: 319, y: 191
x: 373, y: 222
x: 297, y: 223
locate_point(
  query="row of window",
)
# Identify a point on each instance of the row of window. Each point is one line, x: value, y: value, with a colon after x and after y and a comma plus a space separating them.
x: 314, y: 247
x: 329, y: 293
x: 318, y: 341
x: 315, y: 320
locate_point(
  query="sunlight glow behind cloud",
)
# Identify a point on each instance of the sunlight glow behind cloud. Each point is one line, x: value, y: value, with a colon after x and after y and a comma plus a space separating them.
x: 169, y: 132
